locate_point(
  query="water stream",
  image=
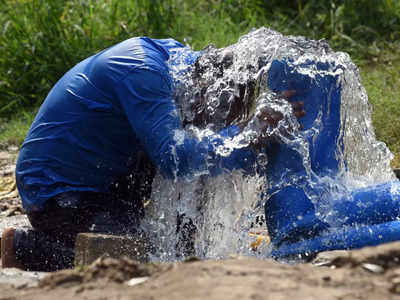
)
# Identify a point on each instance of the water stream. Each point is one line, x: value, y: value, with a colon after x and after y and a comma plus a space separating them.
x: 230, y: 86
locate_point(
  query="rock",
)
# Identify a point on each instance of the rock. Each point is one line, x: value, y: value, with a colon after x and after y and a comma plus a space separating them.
x: 373, y: 268
x: 13, y: 221
x: 331, y: 258
x: 376, y: 259
x: 65, y: 279
x: 386, y: 255
x: 119, y: 270
x: 91, y: 246
x: 136, y: 281
x: 7, y: 170
x: 20, y: 279
x: 5, y: 155
x: 12, y: 149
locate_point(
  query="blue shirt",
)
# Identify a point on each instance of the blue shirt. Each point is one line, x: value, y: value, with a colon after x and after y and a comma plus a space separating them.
x: 103, y: 112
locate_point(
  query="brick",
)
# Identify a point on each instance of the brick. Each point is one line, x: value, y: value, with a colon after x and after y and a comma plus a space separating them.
x: 90, y: 246
x: 17, y: 221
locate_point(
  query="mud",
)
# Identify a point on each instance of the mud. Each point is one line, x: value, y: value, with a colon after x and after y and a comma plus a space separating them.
x: 369, y: 273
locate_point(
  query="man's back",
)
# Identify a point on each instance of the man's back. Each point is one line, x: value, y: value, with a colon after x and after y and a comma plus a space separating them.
x: 81, y: 138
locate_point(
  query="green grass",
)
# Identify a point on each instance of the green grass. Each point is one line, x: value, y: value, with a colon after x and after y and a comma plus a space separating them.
x: 382, y: 82
x: 13, y: 131
x: 41, y: 39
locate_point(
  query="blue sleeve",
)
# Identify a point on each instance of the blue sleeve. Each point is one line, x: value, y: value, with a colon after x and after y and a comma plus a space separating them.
x: 146, y: 97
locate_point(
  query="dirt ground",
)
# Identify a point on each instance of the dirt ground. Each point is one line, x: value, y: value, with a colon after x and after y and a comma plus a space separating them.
x: 370, y: 273
x: 10, y: 203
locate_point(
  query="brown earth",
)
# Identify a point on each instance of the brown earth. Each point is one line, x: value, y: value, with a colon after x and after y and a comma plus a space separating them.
x: 10, y: 203
x: 370, y: 273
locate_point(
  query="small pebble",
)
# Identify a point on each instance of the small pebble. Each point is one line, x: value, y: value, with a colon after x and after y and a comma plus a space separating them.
x: 326, y: 278
x: 136, y: 281
x: 373, y: 268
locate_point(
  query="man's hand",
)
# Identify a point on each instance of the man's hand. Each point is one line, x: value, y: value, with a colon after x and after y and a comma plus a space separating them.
x: 272, y: 117
x: 298, y: 106
x: 265, y: 124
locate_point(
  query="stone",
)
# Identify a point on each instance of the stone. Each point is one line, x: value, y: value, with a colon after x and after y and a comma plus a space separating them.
x: 17, y: 221
x: 14, y: 221
x: 7, y: 170
x: 19, y: 278
x: 91, y: 246
x: 5, y: 155
x: 385, y: 255
x: 331, y: 258
x: 375, y: 259
x: 12, y: 149
x: 136, y: 281
x: 373, y: 268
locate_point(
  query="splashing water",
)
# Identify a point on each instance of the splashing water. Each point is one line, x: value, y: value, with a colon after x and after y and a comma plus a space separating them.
x: 211, y: 217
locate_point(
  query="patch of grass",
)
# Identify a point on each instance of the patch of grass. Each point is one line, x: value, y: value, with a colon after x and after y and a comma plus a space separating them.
x: 13, y: 131
x: 41, y: 39
x: 382, y: 82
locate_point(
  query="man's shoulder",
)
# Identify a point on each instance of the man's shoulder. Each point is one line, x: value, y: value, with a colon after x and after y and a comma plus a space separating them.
x: 116, y: 62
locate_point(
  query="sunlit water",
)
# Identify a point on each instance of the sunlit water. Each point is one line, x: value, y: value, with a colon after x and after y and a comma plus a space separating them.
x: 228, y: 86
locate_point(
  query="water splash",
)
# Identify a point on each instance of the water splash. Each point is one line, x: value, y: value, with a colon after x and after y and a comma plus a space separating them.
x: 229, y: 86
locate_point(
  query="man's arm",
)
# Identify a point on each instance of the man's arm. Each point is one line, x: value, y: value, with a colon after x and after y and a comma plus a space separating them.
x: 146, y: 97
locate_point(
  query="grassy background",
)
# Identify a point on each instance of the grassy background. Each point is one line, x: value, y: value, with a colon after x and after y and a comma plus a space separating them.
x: 41, y: 39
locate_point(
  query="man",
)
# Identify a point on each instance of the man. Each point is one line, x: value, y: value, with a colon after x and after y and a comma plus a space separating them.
x: 89, y: 156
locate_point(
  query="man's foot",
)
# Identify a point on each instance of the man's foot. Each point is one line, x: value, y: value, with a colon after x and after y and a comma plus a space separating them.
x: 8, y: 257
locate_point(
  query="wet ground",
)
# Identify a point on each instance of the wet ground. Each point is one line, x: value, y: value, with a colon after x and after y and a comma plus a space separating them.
x: 10, y: 203
x: 370, y: 273
x: 11, y: 212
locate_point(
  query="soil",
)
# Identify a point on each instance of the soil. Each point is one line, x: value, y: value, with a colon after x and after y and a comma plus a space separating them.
x: 369, y: 273
x: 10, y: 203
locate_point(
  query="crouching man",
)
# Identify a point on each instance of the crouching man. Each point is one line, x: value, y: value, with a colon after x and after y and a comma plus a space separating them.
x: 90, y: 155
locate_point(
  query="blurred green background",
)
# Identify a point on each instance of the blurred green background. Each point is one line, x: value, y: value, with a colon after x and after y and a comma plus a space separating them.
x: 41, y: 39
